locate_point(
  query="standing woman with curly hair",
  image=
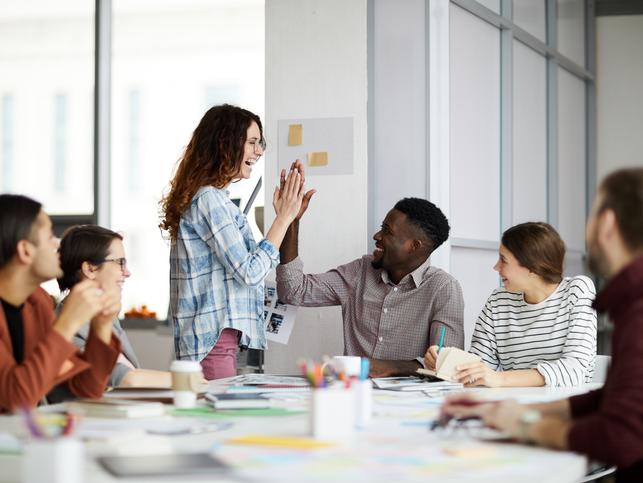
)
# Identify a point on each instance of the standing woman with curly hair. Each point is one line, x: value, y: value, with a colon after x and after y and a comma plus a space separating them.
x: 217, y: 270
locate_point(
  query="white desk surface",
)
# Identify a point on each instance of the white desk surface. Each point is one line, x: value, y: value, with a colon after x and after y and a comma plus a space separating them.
x: 396, y: 446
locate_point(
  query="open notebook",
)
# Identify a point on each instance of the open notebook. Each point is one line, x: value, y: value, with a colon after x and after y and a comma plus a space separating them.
x: 448, y: 359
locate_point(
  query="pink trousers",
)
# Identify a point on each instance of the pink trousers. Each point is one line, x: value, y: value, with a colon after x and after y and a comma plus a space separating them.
x: 221, y: 361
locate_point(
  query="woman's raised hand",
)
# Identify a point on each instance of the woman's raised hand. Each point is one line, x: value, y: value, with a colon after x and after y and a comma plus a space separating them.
x: 288, y: 197
x: 297, y: 165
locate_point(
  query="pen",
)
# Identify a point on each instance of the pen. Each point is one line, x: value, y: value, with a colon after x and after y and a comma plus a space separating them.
x: 441, y: 339
x: 69, y: 424
x: 443, y: 421
x: 364, y: 368
x: 32, y: 425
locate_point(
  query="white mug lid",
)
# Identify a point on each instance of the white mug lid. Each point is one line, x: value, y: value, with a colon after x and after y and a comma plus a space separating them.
x: 185, y: 366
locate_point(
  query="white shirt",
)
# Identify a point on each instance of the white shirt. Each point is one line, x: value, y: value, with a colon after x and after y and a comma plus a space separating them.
x: 557, y: 336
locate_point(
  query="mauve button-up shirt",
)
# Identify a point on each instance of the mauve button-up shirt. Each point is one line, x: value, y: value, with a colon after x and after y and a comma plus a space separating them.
x: 382, y: 320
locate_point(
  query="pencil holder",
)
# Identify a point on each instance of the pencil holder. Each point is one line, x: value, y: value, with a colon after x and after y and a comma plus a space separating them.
x: 363, y: 402
x: 332, y: 414
x: 59, y: 460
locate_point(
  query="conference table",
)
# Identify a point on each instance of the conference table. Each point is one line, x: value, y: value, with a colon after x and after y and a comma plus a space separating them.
x: 397, y: 445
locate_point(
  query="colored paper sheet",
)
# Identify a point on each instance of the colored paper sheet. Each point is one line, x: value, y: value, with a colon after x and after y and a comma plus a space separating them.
x: 318, y: 159
x: 295, y: 134
x: 280, y: 441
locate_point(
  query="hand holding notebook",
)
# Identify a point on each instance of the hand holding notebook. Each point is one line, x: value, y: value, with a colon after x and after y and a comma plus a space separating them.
x: 448, y: 359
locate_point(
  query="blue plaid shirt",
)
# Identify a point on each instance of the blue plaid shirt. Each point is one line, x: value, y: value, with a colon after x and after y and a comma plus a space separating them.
x: 217, y: 273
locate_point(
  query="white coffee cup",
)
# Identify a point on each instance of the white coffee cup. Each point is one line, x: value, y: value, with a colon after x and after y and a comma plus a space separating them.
x: 186, y: 382
x: 59, y: 460
x: 332, y: 414
x: 349, y: 365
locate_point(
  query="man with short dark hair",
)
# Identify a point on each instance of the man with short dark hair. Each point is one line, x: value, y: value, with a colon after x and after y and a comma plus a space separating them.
x: 606, y: 424
x: 394, y: 303
x: 36, y: 353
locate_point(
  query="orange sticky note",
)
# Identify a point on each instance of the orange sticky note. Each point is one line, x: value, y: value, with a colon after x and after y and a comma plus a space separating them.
x: 295, y: 132
x: 318, y: 159
x: 470, y: 451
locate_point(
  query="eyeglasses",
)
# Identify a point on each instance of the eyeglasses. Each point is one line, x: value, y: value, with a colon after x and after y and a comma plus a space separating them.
x: 261, y: 143
x: 122, y: 262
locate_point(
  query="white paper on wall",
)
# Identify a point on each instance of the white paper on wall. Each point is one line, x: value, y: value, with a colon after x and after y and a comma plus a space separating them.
x: 279, y: 317
x: 324, y: 145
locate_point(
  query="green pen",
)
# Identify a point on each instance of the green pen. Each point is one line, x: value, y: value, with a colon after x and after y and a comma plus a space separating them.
x: 441, y: 339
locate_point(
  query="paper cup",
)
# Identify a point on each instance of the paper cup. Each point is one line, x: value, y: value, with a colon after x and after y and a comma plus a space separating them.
x: 186, y: 382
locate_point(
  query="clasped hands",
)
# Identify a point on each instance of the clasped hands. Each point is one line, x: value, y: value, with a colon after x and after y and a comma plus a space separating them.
x: 87, y: 300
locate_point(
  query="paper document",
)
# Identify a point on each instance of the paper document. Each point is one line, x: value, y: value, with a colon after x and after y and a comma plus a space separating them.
x: 411, y: 383
x: 279, y: 317
x: 256, y: 379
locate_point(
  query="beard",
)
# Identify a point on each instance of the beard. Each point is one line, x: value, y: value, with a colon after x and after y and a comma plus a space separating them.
x: 596, y: 260
x: 377, y: 264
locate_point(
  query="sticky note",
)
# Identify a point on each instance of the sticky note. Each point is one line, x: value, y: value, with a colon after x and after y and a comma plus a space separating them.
x: 470, y: 451
x: 318, y: 159
x: 280, y: 441
x: 295, y: 132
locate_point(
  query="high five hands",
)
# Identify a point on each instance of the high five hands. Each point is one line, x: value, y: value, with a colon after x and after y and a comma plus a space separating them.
x: 296, y: 167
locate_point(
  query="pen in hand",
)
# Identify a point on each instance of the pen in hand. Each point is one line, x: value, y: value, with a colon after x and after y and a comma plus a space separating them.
x: 441, y: 339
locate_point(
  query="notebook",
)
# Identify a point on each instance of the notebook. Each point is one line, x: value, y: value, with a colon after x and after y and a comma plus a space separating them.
x: 448, y: 359
x: 117, y: 408
x: 163, y: 465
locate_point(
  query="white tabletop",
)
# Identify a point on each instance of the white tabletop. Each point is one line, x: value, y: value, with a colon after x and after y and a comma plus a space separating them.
x: 396, y: 446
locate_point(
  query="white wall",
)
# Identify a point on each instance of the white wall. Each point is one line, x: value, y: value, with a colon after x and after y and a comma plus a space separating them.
x: 399, y: 120
x: 481, y: 188
x: 619, y: 92
x: 313, y: 74
x: 316, y: 67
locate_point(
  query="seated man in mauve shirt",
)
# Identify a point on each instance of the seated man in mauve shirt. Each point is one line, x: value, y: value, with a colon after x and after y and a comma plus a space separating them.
x: 394, y: 303
x: 605, y: 424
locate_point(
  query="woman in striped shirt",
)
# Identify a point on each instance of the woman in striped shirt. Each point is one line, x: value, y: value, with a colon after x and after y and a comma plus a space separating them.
x: 540, y: 328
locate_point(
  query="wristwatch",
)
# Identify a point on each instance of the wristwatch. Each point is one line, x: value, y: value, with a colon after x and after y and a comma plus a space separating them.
x: 528, y: 418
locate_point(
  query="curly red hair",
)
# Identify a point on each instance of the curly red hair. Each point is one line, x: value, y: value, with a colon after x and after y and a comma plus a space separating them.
x: 212, y: 158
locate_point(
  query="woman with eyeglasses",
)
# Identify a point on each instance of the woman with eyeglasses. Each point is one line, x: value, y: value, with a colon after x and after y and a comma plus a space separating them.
x: 217, y: 269
x: 90, y: 252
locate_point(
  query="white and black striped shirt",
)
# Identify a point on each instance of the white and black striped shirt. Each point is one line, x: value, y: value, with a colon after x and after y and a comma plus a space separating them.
x: 557, y: 336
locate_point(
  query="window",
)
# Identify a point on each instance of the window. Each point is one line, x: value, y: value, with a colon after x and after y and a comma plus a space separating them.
x: 134, y: 140
x: 7, y: 142
x: 171, y: 61
x: 60, y: 142
x: 46, y: 87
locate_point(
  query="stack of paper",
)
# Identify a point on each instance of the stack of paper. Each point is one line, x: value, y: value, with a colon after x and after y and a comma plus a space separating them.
x: 238, y: 401
x: 117, y: 408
